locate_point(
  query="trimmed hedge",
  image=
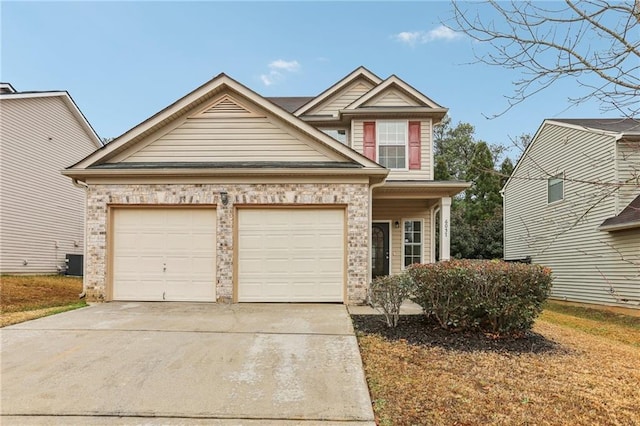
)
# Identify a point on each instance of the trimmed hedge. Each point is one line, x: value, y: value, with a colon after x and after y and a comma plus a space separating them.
x: 492, y: 296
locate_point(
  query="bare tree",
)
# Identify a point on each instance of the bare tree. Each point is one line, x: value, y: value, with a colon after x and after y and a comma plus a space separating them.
x: 596, y: 42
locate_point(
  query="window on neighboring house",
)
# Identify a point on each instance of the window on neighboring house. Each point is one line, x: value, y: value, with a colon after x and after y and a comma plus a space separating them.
x: 412, y: 242
x: 338, y: 134
x: 392, y: 144
x: 555, y: 188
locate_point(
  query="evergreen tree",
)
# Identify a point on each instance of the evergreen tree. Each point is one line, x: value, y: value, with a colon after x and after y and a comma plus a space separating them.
x: 476, y: 215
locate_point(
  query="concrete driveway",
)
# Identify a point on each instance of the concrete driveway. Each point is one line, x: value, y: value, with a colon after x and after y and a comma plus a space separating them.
x: 185, y: 363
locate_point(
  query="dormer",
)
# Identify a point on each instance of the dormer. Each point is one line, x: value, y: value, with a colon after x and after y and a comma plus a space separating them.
x: 388, y: 121
x: 328, y: 104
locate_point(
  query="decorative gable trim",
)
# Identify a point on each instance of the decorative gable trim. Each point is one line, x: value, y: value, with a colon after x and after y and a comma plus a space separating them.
x: 360, y: 72
x: 398, y: 84
x: 226, y: 106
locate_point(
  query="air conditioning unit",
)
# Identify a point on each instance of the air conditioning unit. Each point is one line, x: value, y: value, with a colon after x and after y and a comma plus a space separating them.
x: 74, y: 264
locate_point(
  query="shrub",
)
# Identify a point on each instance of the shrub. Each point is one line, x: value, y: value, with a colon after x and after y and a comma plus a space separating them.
x: 387, y: 294
x: 492, y: 296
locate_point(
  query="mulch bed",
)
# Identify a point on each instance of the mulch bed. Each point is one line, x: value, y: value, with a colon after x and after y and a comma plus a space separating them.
x: 419, y: 330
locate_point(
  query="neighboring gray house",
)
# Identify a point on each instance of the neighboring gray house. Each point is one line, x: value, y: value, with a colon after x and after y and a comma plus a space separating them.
x: 41, y: 214
x: 573, y: 204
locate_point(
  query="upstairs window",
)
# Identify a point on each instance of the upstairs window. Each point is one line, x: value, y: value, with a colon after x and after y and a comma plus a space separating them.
x: 392, y: 144
x: 555, y: 188
x: 338, y: 134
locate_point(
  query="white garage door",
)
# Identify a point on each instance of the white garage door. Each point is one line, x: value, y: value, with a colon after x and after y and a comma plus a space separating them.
x: 164, y: 254
x: 290, y: 255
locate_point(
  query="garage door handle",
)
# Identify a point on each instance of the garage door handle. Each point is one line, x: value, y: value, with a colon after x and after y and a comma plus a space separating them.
x: 164, y: 267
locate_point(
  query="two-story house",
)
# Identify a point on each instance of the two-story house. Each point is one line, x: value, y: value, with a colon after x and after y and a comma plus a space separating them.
x: 573, y: 204
x: 229, y: 195
x: 41, y: 215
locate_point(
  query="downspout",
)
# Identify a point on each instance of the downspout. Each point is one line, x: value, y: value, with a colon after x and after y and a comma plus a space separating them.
x: 371, y: 188
x: 84, y: 186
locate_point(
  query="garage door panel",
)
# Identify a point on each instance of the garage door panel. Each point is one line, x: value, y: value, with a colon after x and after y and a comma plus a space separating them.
x: 133, y: 288
x: 185, y: 267
x: 135, y: 263
x: 164, y: 254
x: 294, y: 255
x: 199, y: 289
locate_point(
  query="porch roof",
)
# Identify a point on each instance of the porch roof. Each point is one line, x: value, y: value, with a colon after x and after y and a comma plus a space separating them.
x: 426, y: 189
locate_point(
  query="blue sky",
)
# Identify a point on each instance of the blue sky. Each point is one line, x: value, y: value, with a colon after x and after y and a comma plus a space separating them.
x: 124, y: 61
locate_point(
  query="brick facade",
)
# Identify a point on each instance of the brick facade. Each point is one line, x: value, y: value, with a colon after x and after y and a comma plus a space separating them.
x: 354, y: 196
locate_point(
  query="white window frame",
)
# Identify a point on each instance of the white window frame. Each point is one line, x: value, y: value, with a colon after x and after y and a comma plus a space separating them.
x: 338, y: 129
x: 404, y: 220
x: 406, y: 142
x: 557, y: 176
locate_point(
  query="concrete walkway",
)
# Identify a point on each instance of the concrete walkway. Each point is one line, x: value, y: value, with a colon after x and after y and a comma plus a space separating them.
x: 185, y: 363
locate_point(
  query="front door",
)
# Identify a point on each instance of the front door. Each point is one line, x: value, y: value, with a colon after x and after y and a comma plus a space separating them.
x: 380, y: 249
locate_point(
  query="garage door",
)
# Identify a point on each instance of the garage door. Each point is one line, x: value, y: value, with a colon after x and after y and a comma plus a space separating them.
x: 290, y: 255
x: 164, y: 254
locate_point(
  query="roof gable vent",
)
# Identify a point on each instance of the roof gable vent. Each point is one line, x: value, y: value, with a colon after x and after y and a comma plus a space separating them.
x: 225, y: 107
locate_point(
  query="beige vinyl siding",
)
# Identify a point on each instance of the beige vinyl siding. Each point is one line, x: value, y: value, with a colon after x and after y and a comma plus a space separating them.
x: 628, y: 167
x: 563, y: 235
x: 220, y: 139
x: 341, y: 99
x: 426, y: 144
x: 41, y: 212
x: 391, y: 98
x: 401, y: 210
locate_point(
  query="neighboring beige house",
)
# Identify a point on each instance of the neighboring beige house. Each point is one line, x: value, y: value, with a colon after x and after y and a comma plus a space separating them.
x: 227, y: 195
x: 41, y: 215
x: 573, y: 204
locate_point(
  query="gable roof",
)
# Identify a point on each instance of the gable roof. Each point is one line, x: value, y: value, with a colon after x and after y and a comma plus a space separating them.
x: 628, y: 218
x: 617, y: 128
x: 393, y: 81
x: 360, y: 72
x: 290, y: 103
x: 197, y: 99
x: 625, y: 126
x: 66, y: 98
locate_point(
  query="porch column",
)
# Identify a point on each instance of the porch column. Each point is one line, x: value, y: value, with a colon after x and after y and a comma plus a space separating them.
x: 445, y: 228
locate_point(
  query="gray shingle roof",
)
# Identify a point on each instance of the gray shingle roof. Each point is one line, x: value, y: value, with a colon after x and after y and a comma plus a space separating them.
x: 619, y: 125
x: 628, y: 218
x: 290, y: 103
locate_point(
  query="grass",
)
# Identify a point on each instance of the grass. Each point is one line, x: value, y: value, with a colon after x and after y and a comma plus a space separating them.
x: 613, y: 326
x: 592, y: 380
x: 28, y: 297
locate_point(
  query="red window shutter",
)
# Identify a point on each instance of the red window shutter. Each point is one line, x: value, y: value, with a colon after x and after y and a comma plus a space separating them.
x: 369, y: 142
x: 414, y: 145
